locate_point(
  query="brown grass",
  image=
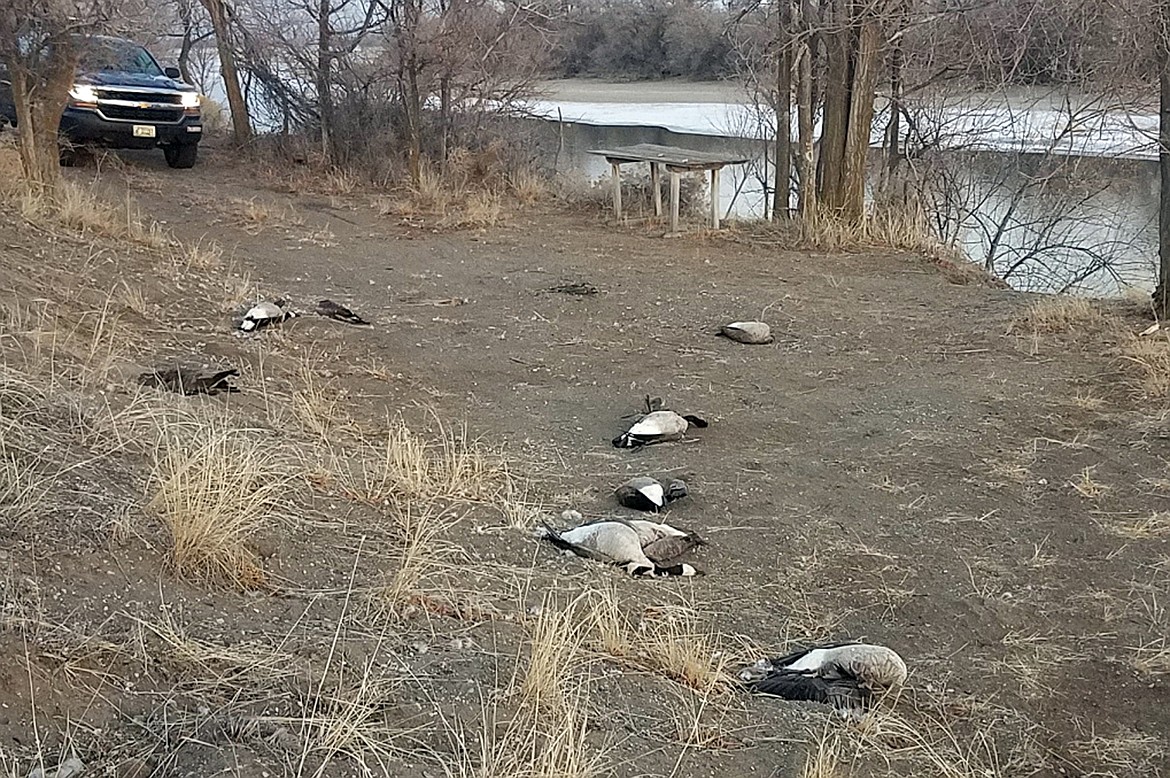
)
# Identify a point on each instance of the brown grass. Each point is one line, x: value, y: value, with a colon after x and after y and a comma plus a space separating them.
x: 1147, y: 362
x: 556, y: 640
x: 215, y: 488
x: 1058, y: 314
x: 1152, y: 527
x: 408, y: 466
x: 420, y: 527
x: 674, y: 641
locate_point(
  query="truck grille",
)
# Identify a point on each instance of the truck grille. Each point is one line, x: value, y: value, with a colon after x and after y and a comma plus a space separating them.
x: 135, y: 96
x: 134, y: 114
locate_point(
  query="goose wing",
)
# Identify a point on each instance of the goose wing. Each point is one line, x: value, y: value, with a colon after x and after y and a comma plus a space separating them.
x: 665, y: 551
x: 838, y: 692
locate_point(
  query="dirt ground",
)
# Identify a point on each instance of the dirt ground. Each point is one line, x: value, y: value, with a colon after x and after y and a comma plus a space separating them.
x: 925, y: 464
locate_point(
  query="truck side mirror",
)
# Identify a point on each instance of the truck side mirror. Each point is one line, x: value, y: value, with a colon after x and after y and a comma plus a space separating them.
x: 172, y: 72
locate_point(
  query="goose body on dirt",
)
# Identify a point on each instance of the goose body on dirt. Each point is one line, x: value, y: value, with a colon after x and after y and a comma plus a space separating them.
x: 749, y: 332
x: 190, y: 381
x: 622, y: 543
x: 264, y: 314
x: 844, y: 675
x: 657, y: 427
x: 644, y: 493
x: 339, y: 312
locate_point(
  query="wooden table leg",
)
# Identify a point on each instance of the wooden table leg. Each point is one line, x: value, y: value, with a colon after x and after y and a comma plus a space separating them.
x: 655, y: 177
x: 715, y: 198
x: 617, y: 190
x: 674, y: 192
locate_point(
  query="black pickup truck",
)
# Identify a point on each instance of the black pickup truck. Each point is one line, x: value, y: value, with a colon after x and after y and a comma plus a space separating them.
x: 123, y: 99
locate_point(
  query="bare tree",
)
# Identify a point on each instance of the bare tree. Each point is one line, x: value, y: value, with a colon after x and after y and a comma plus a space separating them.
x: 1162, y: 292
x: 38, y: 47
x: 220, y: 14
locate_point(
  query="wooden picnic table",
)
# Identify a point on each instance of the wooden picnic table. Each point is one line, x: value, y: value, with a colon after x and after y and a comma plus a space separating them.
x: 677, y: 161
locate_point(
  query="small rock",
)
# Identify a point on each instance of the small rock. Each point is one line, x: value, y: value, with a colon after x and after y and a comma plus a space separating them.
x: 70, y: 768
x: 461, y: 644
x: 750, y: 332
x: 419, y: 647
x: 571, y: 516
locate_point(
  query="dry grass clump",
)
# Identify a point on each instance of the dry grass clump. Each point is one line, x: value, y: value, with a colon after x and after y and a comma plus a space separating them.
x: 1124, y: 753
x: 1152, y: 660
x: 529, y: 745
x: 473, y: 189
x: 824, y: 759
x: 1151, y: 527
x: 671, y: 640
x: 75, y: 207
x: 557, y: 637
x: 1147, y: 361
x: 407, y: 466
x: 1059, y: 314
x: 420, y: 527
x: 85, y: 346
x: 216, y: 487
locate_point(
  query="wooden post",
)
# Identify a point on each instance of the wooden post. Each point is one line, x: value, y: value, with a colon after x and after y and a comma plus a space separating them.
x: 715, y: 198
x: 655, y: 179
x: 617, y: 190
x: 674, y: 193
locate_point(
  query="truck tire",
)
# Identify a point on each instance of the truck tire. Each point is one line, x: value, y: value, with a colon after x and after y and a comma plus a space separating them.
x: 181, y: 155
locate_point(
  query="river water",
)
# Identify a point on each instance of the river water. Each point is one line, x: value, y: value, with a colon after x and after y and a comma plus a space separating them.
x: 1053, y: 194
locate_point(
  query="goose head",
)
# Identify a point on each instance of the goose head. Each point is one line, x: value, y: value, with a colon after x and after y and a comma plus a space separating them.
x: 676, y: 489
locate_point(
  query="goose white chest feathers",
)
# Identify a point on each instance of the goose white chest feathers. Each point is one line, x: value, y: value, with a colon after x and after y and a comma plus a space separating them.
x: 844, y: 675
x: 622, y: 543
x: 265, y: 313
x: 657, y: 427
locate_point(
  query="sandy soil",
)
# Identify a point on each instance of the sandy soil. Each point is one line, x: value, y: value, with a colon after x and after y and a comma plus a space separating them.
x: 910, y: 462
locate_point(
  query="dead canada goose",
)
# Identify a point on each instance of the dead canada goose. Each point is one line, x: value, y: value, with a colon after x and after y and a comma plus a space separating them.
x: 265, y: 313
x: 844, y: 675
x: 750, y: 332
x: 648, y: 494
x: 189, y: 381
x: 657, y: 427
x: 620, y: 543
x: 333, y: 310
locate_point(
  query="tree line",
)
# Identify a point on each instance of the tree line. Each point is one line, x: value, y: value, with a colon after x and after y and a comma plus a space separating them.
x: 411, y: 79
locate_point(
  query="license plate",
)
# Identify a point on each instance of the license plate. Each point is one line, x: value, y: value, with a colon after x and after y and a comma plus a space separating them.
x: 143, y: 131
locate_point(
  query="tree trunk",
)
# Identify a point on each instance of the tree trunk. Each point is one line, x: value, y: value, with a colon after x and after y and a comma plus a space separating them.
x: 1162, y: 292
x: 860, y: 127
x: 324, y: 79
x: 835, y: 127
x: 806, y: 201
x: 894, y: 127
x: 184, y: 60
x: 241, y: 127
x: 781, y: 192
x: 408, y: 85
x: 39, y: 102
x: 444, y: 120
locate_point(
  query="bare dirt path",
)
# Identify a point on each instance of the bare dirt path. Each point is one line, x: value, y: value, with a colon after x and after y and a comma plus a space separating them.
x: 909, y: 462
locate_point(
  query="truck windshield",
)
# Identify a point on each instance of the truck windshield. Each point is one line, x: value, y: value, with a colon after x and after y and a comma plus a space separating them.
x: 119, y: 56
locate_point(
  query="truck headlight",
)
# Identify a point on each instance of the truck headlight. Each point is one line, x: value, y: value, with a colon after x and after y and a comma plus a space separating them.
x: 83, y: 94
x: 190, y: 100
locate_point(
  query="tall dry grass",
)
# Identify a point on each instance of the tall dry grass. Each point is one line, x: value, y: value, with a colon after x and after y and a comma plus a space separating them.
x: 215, y: 487
x: 406, y: 465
